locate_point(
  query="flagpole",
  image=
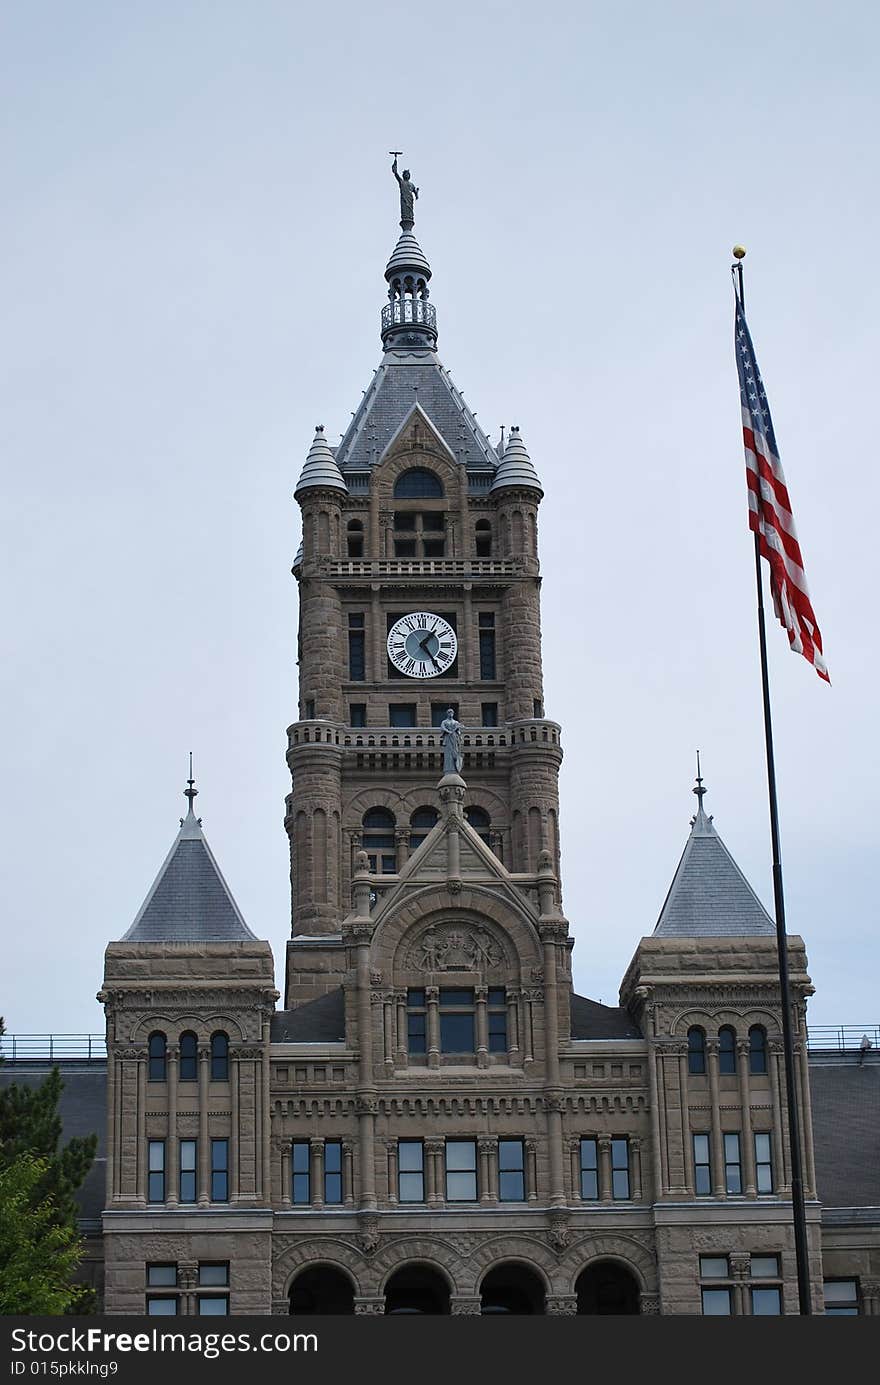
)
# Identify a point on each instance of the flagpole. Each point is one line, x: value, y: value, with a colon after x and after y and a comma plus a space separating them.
x: 797, y: 1182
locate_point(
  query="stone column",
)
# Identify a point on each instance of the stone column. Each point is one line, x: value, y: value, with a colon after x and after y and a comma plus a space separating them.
x: 527, y: 1029
x: 111, y: 1121
x: 435, y: 1190
x: 401, y: 841
x: 574, y: 1153
x: 187, y: 1279
x: 531, y: 1170
x: 512, y: 1026
x: 400, y: 1050
x: 604, y: 1143
x: 391, y: 1157
x: 809, y: 1162
x: 482, y: 993
x: 234, y: 1181
x: 719, y: 1185
x: 488, y: 1170
x: 172, y: 1163
x: 141, y: 1130
x: 687, y: 1151
x: 551, y: 934
x: 204, y: 1151
x: 265, y: 1119
x: 348, y: 1172
x: 654, y: 1097
x: 432, y: 1001
x: 740, y: 1269
x: 780, y: 1180
x: 635, y: 1149
x: 286, y: 1180
x: 366, y: 1105
x: 777, y: 1062
x: 468, y: 636
x: 562, y: 1305
x: 388, y: 1032
x: 745, y: 1101
x: 870, y: 1289
x: 316, y: 1162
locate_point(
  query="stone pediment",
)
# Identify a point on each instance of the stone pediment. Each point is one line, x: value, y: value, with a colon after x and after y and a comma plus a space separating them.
x: 417, y: 433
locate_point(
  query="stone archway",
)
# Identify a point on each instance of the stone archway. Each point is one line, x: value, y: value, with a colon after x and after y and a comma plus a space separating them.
x: 512, y: 1287
x: 322, y: 1289
x: 417, y: 1288
x: 607, y: 1287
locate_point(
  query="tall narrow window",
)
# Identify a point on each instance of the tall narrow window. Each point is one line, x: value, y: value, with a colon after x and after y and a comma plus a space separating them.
x: 357, y: 714
x: 155, y: 1170
x: 188, y: 1167
x: 219, y: 1057
x: 696, y: 1050
x: 379, y: 844
x: 727, y: 1050
x: 157, y: 1050
x: 489, y: 713
x: 757, y: 1049
x: 589, y: 1170
x: 763, y: 1162
x: 765, y: 1299
x: 457, y: 1021
x: 401, y: 714
x: 483, y: 538
x: 420, y: 824
x: 300, y: 1164
x: 219, y: 1170
x: 511, y: 1171
x: 332, y: 1172
x: 410, y: 1171
x: 497, y: 1017
x: 189, y: 1057
x: 702, y: 1166
x: 479, y: 821
x: 487, y: 644
x: 357, y: 667
x: 732, y: 1166
x: 716, y: 1298
x: 620, y: 1169
x: 162, y: 1305
x: 841, y: 1298
x: 461, y: 1170
x: 416, y: 1021
x: 355, y: 538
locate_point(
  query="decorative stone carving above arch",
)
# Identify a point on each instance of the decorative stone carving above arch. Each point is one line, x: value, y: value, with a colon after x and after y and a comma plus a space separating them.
x: 713, y: 1020
x: 452, y: 946
x: 202, y: 1025
x: 626, y: 1251
x: 434, y: 930
x: 528, y: 1251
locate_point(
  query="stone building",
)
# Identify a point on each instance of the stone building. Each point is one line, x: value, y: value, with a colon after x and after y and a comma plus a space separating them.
x: 435, y: 1121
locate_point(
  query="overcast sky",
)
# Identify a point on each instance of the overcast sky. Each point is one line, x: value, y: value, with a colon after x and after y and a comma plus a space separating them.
x: 198, y: 209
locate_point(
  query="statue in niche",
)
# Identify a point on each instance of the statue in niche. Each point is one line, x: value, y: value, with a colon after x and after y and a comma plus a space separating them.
x: 453, y: 745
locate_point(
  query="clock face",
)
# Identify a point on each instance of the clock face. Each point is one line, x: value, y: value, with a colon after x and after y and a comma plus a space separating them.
x: 421, y: 645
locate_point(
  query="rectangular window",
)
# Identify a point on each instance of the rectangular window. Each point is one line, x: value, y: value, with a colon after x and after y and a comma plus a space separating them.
x: 487, y: 644
x: 333, y: 1172
x: 589, y: 1170
x: 841, y: 1298
x: 402, y: 714
x: 188, y: 1167
x: 213, y: 1305
x: 219, y: 1170
x: 457, y: 1021
x: 732, y: 1167
x: 310, y: 708
x: 489, y: 713
x: 416, y: 1022
x: 702, y: 1166
x: 537, y: 707
x: 161, y: 1307
x: 357, y: 668
x: 439, y: 710
x: 716, y: 1298
x: 461, y: 1170
x: 763, y: 1163
x: 511, y: 1171
x: 161, y: 1276
x: 410, y: 1171
x: 213, y: 1274
x: 716, y: 1303
x: 714, y: 1267
x: 357, y: 714
x: 404, y: 548
x: 301, y: 1165
x: 620, y: 1169
x: 766, y: 1302
x: 155, y: 1170
x: 497, y: 1017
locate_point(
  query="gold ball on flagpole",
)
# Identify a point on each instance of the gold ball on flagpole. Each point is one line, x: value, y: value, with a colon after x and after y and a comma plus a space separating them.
x: 739, y: 252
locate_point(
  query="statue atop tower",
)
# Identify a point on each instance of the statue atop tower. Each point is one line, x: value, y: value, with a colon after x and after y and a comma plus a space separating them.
x: 408, y: 194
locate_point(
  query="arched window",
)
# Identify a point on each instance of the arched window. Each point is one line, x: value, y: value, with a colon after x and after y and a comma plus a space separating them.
x: 189, y: 1057
x: 355, y: 536
x: 418, y: 484
x: 156, y: 1050
x: 727, y: 1050
x: 219, y: 1057
x: 420, y: 824
x: 757, y: 1049
x: 696, y: 1050
x: 483, y: 538
x: 379, y: 844
x: 479, y: 821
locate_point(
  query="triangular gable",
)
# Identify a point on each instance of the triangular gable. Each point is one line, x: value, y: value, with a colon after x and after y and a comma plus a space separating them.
x: 408, y: 424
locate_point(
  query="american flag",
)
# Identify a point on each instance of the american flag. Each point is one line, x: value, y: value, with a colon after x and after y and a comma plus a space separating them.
x: 770, y: 514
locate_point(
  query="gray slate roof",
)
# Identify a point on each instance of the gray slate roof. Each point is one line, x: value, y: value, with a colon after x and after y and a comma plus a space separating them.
x: 590, y: 1020
x: 405, y: 378
x: 316, y: 1022
x: 709, y: 896
x: 82, y: 1107
x: 319, y: 468
x: 846, y: 1133
x: 516, y: 467
x: 189, y: 901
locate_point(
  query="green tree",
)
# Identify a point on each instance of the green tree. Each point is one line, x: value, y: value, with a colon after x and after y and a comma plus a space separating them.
x: 41, y: 1176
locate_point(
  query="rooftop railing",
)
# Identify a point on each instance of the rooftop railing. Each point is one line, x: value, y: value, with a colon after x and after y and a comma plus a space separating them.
x: 421, y: 567
x: 407, y: 310
x: 18, y: 1047
x: 843, y: 1037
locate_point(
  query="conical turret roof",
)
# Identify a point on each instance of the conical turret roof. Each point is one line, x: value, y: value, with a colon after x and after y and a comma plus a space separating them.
x: 515, y: 467
x: 320, y: 466
x: 407, y: 254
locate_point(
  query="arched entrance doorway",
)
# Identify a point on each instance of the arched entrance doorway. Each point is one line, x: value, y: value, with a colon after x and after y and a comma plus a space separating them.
x: 322, y: 1289
x: 511, y: 1288
x: 416, y: 1289
x: 607, y: 1287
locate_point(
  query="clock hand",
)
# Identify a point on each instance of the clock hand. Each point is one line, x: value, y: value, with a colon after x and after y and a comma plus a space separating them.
x: 423, y: 644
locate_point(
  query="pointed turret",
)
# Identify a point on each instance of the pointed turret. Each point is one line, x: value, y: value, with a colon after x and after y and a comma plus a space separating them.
x: 709, y: 896
x: 189, y: 901
x: 515, y: 468
x: 320, y: 466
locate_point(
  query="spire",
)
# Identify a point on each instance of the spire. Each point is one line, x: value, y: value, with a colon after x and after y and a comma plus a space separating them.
x: 408, y: 319
x: 515, y: 467
x: 320, y: 466
x: 709, y: 896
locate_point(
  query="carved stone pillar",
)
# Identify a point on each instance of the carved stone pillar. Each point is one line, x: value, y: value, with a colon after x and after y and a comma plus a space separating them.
x: 172, y: 1176
x: 562, y: 1305
x: 488, y: 1170
x: 532, y: 1170
x: 204, y: 1149
x: 740, y: 1269
x: 481, y: 994
x: 809, y: 1162
x: 235, y: 1136
x: 187, y: 1281
x: 366, y: 1105
x: 719, y: 1186
x: 286, y: 1181
x: 745, y: 1101
x: 870, y: 1289
x: 513, y: 1045
x: 391, y: 1158
x: 316, y: 1160
x: 780, y: 1170
x: 432, y: 1002
x: 141, y: 1132
x: 687, y: 1151
x: 401, y: 841
x: 434, y: 1185
x: 264, y: 1129
x: 574, y: 1156
x: 605, y: 1189
x: 348, y: 1172
x: 635, y: 1149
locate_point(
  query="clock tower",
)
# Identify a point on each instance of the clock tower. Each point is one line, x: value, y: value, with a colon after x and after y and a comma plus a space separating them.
x: 419, y: 592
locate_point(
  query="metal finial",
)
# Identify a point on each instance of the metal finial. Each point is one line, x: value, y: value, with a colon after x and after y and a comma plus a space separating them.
x: 699, y: 790
x: 190, y: 791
